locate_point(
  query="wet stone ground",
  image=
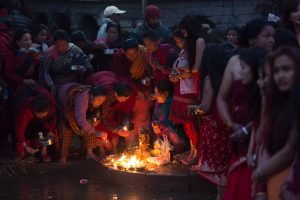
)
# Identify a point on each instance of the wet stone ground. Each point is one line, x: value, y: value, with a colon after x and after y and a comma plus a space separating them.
x: 40, y: 181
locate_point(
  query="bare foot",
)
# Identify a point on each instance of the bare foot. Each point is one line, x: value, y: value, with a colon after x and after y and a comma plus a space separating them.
x: 190, y: 160
x: 62, y: 160
x: 92, y: 156
x: 195, y: 168
x: 46, y: 158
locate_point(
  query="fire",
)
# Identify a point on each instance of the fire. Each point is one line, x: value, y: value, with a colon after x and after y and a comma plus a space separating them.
x: 128, y: 162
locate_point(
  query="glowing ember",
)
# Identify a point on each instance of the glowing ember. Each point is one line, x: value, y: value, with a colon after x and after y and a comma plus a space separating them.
x: 128, y: 162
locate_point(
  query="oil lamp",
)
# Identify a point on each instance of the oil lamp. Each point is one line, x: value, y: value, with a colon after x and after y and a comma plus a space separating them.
x: 45, y: 140
x: 145, y: 81
x: 128, y: 126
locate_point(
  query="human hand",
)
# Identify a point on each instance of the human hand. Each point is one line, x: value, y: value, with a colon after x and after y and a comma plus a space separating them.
x: 102, y: 135
x: 152, y: 97
x: 154, y: 63
x: 123, y: 133
x: 195, y: 70
x: 156, y: 129
x: 90, y: 57
x: 250, y: 160
x: 30, y: 150
x: 261, y: 197
x: 258, y: 176
x: 286, y: 194
x: 174, y: 77
x: 236, y: 127
x: 195, y: 109
x: 238, y: 134
x: 29, y: 82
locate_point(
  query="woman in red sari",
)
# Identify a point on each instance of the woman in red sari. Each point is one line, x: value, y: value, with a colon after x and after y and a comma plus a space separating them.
x: 251, y: 67
x: 184, y: 91
x: 22, y: 65
x: 233, y: 108
x: 214, y: 154
x: 277, y: 148
x: 290, y: 190
x: 290, y: 18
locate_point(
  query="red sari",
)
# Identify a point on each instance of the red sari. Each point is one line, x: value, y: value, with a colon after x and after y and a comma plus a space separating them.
x: 239, y: 177
x: 213, y: 149
x: 179, y: 112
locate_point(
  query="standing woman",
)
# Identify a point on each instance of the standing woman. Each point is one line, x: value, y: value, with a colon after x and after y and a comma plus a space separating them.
x: 65, y: 63
x: 22, y: 65
x: 39, y: 34
x: 184, y: 91
x: 196, y: 38
x: 112, y: 42
x: 114, y: 39
x: 214, y: 154
x: 279, y: 128
x: 291, y: 17
x: 290, y: 190
x: 233, y: 35
x: 233, y: 108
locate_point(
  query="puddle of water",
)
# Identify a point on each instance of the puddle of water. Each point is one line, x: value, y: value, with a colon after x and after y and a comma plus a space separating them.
x: 65, y: 185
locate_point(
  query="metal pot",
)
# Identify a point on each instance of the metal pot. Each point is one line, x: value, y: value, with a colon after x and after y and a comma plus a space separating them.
x: 46, y: 142
x: 77, y: 67
x: 145, y: 81
x: 109, y: 51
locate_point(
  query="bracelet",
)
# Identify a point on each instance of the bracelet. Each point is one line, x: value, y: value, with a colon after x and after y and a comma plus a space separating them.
x: 245, y: 131
x: 260, y: 194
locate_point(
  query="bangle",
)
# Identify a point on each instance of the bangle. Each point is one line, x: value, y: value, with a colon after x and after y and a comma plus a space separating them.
x: 260, y: 194
x: 245, y: 131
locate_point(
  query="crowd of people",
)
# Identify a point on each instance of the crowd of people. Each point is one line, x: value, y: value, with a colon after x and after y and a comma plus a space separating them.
x: 229, y: 103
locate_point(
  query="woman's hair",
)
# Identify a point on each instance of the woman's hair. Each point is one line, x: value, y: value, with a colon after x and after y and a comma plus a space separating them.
x: 18, y: 36
x: 280, y: 115
x: 233, y: 28
x: 78, y: 36
x: 151, y: 35
x: 178, y: 33
x: 289, y: 7
x: 237, y: 29
x: 113, y: 25
x: 37, y: 28
x: 204, y: 20
x: 296, y: 105
x: 41, y: 105
x: 216, y: 36
x: 130, y: 44
x: 165, y: 86
x: 214, y: 60
x: 285, y: 37
x: 98, y: 90
x: 61, y: 35
x: 194, y: 30
x: 252, y: 29
x: 254, y: 58
x: 123, y: 89
x: 20, y: 33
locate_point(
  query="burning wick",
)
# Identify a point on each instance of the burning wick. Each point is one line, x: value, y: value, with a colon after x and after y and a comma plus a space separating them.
x: 125, y: 128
